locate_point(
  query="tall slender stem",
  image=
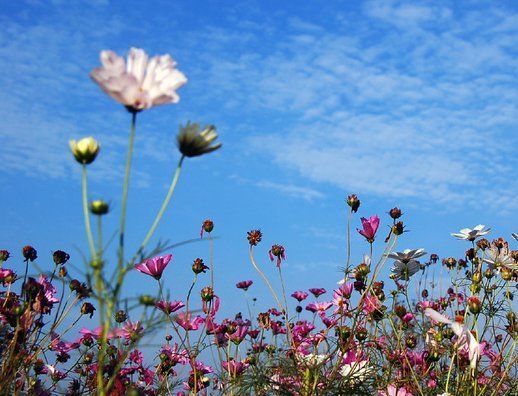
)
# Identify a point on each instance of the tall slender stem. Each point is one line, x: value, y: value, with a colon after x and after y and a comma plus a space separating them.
x: 125, y: 189
x: 87, y: 216
x: 167, y: 199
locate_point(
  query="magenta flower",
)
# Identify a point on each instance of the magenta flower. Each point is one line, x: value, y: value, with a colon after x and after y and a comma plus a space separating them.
x: 319, y: 306
x: 234, y: 367
x: 184, y: 320
x: 370, y: 226
x: 299, y: 295
x: 168, y: 307
x: 154, y: 266
x: 244, y: 284
x: 317, y: 291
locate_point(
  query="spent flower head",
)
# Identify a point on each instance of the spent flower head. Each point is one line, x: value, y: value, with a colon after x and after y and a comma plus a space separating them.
x: 139, y: 83
x: 354, y: 202
x: 254, y: 237
x: 29, y: 253
x: 85, y: 150
x: 192, y: 142
x: 207, y: 226
x: 277, y: 251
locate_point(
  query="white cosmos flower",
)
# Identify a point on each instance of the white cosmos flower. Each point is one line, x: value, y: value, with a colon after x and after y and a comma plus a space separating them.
x: 312, y: 359
x: 515, y: 235
x: 465, y: 338
x: 405, y: 264
x: 355, y: 371
x: 471, y: 234
x: 495, y: 258
x: 139, y: 83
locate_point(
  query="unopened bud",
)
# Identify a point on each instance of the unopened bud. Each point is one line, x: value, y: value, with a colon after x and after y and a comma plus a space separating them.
x: 99, y: 207
x: 353, y: 202
x: 395, y: 213
x: 474, y: 305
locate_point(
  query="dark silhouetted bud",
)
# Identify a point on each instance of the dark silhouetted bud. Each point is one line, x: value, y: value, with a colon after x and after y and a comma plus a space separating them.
x: 398, y: 228
x: 353, y: 202
x: 120, y: 316
x: 411, y: 341
x: 60, y: 257
x: 395, y: 213
x: 4, y: 255
x: 87, y: 309
x: 29, y: 253
x: 207, y: 226
x: 298, y: 309
x: 198, y: 266
x: 483, y: 244
x: 99, y: 207
x: 434, y: 258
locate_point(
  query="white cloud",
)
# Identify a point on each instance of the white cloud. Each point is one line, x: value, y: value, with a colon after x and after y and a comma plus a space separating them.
x: 305, y: 193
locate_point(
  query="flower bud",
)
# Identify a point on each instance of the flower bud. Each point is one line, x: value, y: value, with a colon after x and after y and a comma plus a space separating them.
x: 476, y: 277
x: 62, y: 272
x: 29, y: 253
x: 120, y: 316
x: 87, y: 309
x: 4, y: 255
x: 361, y: 333
x: 192, y: 142
x: 483, y: 244
x: 207, y: 226
x: 353, y: 202
x: 99, y: 207
x: 506, y: 273
x: 411, y: 341
x: 60, y: 257
x: 85, y: 150
x: 474, y: 304
x: 207, y: 294
x: 395, y: 213
x: 362, y: 270
x: 147, y: 300
x: 398, y: 228
x: 198, y: 266
x: 264, y: 320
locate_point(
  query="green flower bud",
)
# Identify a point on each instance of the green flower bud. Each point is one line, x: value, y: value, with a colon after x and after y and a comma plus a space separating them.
x: 99, y: 207
x: 85, y: 150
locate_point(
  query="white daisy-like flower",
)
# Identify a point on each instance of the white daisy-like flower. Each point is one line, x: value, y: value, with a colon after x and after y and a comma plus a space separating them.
x: 406, y: 255
x: 471, y: 234
x: 355, y: 371
x: 405, y: 264
x: 515, y: 235
x: 312, y: 359
x: 139, y: 83
x: 495, y: 258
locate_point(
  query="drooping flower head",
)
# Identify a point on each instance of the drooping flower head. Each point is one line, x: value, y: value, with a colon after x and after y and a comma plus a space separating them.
x: 192, y: 142
x: 154, y: 266
x: 139, y: 83
x: 277, y: 251
x: 370, y: 226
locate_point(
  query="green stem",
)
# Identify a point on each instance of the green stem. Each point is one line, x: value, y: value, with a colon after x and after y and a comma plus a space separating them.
x: 87, y: 216
x: 125, y: 188
x: 167, y: 199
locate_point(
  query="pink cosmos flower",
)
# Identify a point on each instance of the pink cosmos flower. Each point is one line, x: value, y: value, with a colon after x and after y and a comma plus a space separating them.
x: 317, y: 291
x: 277, y: 251
x: 299, y: 295
x: 154, y: 266
x: 184, y: 320
x: 139, y: 83
x: 234, y: 367
x: 393, y: 391
x: 370, y: 226
x: 318, y: 306
x: 96, y: 333
x: 244, y: 284
x: 168, y: 307
x: 371, y: 304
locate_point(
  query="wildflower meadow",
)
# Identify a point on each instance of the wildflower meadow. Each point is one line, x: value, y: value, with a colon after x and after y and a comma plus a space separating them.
x: 362, y: 335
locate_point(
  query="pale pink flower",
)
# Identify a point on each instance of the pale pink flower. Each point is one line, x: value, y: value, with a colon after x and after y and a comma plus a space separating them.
x: 154, y: 266
x: 318, y: 306
x: 393, y: 391
x: 184, y: 320
x: 139, y: 83
x: 370, y: 226
x: 465, y: 338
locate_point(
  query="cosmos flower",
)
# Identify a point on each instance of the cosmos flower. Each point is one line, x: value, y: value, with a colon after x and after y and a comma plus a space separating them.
x: 370, y: 226
x: 406, y: 264
x: 139, y: 83
x: 515, y: 235
x: 465, y: 338
x: 299, y: 295
x: 154, y: 266
x: 244, y: 284
x: 471, y: 234
x: 496, y: 258
x: 354, y: 367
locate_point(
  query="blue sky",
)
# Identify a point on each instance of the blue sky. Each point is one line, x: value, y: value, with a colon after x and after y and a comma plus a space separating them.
x: 409, y: 104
